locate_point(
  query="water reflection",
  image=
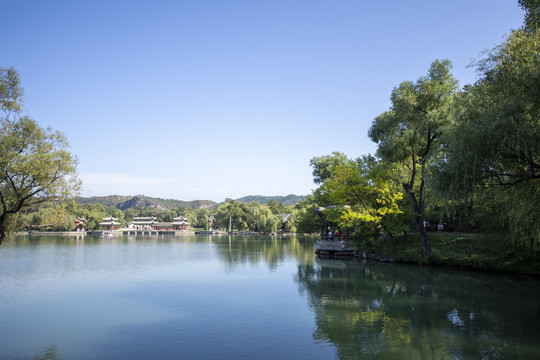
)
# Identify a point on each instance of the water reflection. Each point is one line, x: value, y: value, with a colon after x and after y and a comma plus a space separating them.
x: 238, y: 250
x: 175, y: 295
x: 375, y: 311
x: 120, y: 251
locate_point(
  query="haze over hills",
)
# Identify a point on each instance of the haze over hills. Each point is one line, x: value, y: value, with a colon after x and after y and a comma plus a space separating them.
x: 126, y: 202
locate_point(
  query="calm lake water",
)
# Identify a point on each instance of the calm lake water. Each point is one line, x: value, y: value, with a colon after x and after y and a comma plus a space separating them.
x: 221, y: 297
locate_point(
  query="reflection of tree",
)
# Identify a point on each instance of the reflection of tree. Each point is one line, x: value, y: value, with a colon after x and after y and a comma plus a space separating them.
x: 51, y: 353
x: 382, y: 311
x: 237, y: 250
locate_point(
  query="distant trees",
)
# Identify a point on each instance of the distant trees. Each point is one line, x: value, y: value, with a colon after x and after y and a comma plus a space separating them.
x: 35, y: 165
x: 241, y: 216
x: 235, y: 215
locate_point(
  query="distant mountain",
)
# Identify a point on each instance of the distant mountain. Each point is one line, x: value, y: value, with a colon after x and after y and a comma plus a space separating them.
x: 127, y: 202
x: 285, y: 200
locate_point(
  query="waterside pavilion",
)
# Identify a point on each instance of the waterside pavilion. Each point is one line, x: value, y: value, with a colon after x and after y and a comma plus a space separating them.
x: 180, y: 223
x: 109, y: 223
x: 143, y: 223
x: 332, y: 245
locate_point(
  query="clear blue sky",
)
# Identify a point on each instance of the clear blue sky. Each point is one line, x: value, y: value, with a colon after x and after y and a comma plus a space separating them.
x: 208, y: 99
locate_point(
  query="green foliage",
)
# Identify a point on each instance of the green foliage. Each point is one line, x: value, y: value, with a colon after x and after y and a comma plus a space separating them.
x: 261, y: 218
x: 497, y: 137
x: 201, y: 219
x: 418, y: 114
x: 62, y: 216
x: 492, y: 154
x: 10, y: 92
x: 290, y: 199
x: 276, y: 207
x: 492, y: 252
x: 359, y: 195
x: 532, y: 14
x: 304, y: 219
x: 323, y: 166
x: 35, y: 165
x: 409, y: 133
x: 232, y: 212
x: 243, y: 216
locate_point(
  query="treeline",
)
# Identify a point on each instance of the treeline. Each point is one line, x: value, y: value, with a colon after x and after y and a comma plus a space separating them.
x: 290, y: 199
x: 231, y: 214
x: 461, y: 159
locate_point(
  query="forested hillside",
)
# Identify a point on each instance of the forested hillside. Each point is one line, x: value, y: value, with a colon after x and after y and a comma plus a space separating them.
x: 128, y: 202
x: 290, y: 199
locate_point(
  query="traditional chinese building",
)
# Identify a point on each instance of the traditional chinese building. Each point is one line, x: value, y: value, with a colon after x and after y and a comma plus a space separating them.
x: 143, y: 223
x: 109, y: 223
x: 163, y: 226
x: 80, y: 223
x: 180, y: 223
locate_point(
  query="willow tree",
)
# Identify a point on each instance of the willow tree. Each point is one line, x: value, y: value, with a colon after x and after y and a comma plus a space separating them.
x: 408, y: 133
x: 232, y: 214
x: 495, y: 143
x: 35, y: 164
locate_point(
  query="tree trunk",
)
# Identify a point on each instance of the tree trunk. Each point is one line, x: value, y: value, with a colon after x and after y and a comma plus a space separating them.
x: 392, y: 241
x: 419, y: 219
x: 426, y: 245
x: 3, y: 234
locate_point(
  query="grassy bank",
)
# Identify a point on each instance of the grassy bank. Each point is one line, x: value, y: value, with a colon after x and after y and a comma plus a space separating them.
x: 489, y: 252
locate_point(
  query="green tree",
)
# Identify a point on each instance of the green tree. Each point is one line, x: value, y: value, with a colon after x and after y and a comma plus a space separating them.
x: 497, y: 136
x: 60, y: 218
x: 11, y: 93
x: 201, y: 221
x: 323, y: 166
x: 532, y: 14
x: 35, y: 165
x: 365, y: 198
x: 304, y: 220
x: 276, y: 207
x: 234, y: 213
x: 495, y: 144
x: 409, y: 133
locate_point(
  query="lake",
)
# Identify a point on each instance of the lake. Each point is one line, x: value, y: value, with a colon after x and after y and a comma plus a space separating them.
x: 249, y: 297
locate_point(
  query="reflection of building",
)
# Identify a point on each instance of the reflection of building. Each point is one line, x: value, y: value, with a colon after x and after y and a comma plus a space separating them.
x: 110, y: 223
x: 180, y: 223
x: 143, y: 223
